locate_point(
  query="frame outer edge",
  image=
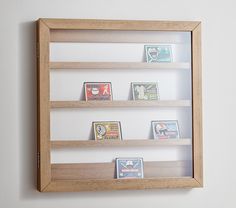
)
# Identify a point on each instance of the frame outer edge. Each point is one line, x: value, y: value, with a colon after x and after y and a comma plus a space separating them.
x: 43, y: 107
x: 197, y: 106
x: 73, y: 24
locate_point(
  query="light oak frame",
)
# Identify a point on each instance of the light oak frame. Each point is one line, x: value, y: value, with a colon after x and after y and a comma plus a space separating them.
x: 49, y: 30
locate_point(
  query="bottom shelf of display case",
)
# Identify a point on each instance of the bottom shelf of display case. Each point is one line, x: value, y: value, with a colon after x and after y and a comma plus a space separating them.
x: 154, y: 169
x: 120, y: 184
x: 101, y: 176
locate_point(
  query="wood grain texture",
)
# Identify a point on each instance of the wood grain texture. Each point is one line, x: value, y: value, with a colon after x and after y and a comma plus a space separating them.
x: 120, y: 104
x: 59, y: 144
x: 114, y: 36
x: 104, y: 180
x: 197, y: 105
x: 118, y: 65
x: 91, y: 171
x: 92, y: 24
x: 43, y: 154
x: 121, y: 184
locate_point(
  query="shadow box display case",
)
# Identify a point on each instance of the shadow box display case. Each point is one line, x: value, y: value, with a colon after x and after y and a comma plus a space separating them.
x: 119, y: 105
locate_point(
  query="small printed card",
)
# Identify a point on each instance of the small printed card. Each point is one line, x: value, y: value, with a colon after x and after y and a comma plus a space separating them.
x: 107, y: 130
x: 145, y: 91
x: 165, y: 129
x: 129, y: 167
x: 158, y: 53
x: 98, y: 91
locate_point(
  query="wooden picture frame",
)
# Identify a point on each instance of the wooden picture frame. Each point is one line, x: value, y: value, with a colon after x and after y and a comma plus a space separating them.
x: 70, y: 177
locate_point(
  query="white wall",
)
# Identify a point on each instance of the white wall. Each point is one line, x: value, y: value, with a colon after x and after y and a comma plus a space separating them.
x: 18, y: 101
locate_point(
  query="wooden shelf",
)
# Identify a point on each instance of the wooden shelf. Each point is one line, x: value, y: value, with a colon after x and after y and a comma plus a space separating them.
x: 101, y: 176
x: 98, y: 171
x: 120, y: 103
x: 109, y: 36
x: 57, y: 144
x: 121, y: 184
x: 118, y: 65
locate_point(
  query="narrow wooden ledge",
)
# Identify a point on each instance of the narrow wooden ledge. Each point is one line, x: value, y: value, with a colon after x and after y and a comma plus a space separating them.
x: 120, y: 184
x: 57, y: 144
x: 118, y: 65
x: 120, y: 103
x: 99, y: 171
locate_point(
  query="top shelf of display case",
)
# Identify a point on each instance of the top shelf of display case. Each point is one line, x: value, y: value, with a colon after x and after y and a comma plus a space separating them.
x: 118, y: 65
x: 119, y: 36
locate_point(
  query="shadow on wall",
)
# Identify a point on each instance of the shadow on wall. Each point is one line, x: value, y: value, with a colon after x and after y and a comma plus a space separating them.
x: 28, y: 132
x: 28, y: 107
